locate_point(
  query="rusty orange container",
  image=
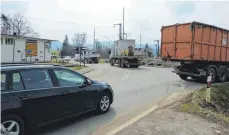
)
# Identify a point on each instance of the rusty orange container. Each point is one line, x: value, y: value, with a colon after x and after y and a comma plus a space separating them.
x: 194, y: 41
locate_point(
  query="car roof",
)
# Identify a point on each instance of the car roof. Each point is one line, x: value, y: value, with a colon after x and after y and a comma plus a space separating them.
x: 7, y: 67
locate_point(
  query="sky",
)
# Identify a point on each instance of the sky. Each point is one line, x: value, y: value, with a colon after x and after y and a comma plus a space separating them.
x: 53, y: 19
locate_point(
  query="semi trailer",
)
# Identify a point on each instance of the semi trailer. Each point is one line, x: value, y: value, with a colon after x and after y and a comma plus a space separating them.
x: 201, y: 49
x: 123, y: 54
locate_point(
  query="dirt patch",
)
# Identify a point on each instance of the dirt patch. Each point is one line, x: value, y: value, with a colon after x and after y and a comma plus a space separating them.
x: 217, y: 110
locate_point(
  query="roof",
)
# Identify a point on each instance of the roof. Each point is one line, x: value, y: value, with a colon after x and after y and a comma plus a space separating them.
x: 6, y: 67
x: 194, y: 22
x: 27, y: 37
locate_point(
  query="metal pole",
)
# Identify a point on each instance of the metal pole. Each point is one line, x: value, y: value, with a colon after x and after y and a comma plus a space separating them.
x: 140, y: 39
x: 120, y: 31
x: 84, y: 58
x: 158, y: 48
x: 123, y: 23
x: 94, y: 38
x: 80, y: 55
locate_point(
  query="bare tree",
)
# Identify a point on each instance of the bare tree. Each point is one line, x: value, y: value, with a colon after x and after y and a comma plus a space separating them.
x: 5, y: 24
x: 79, y: 39
x: 17, y: 24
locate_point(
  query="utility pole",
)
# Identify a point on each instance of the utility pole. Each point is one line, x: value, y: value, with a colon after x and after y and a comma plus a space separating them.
x: 157, y: 47
x: 120, y: 30
x: 123, y: 23
x: 94, y: 39
x: 140, y: 39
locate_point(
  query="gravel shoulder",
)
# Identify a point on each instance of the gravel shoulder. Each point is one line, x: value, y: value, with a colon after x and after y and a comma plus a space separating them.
x: 168, y: 120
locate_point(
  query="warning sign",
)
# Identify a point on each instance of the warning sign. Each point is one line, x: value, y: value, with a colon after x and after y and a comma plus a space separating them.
x: 31, y: 48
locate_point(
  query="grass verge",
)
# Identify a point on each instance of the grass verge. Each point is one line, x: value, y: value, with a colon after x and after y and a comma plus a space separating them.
x: 78, y: 67
x: 217, y: 110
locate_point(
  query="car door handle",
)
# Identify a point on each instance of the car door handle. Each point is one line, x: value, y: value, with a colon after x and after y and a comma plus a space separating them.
x: 25, y: 96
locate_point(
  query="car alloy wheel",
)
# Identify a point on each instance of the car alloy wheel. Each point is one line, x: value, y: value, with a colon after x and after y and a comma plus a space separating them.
x: 104, y: 103
x: 10, y: 127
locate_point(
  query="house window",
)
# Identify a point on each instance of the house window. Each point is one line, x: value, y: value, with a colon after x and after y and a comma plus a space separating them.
x: 9, y: 41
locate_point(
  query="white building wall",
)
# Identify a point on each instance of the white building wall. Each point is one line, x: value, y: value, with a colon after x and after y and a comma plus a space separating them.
x: 43, y: 52
x: 6, y: 53
x: 19, y: 52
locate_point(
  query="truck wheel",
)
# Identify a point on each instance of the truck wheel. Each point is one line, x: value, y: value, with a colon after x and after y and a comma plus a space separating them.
x: 112, y: 62
x: 213, y: 72
x: 123, y: 64
x: 222, y: 74
x: 183, y: 77
x: 119, y: 63
x: 134, y: 66
x: 198, y: 79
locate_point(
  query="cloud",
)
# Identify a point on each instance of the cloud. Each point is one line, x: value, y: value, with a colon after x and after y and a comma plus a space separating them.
x: 55, y: 18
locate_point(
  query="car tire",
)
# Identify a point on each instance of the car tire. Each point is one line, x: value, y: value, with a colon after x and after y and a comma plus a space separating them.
x: 112, y: 62
x: 104, y: 103
x: 18, y: 124
x: 183, y: 77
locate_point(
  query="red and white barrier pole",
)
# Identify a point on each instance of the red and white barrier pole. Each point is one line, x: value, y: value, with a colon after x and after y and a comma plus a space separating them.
x: 208, y: 91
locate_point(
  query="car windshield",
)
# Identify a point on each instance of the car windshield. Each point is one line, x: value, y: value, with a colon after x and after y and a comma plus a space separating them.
x: 158, y: 67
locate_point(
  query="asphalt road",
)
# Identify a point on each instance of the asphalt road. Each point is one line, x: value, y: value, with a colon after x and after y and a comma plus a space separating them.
x: 133, y: 90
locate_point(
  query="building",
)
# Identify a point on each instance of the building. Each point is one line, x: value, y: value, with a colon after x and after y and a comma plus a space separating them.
x: 55, y: 53
x: 25, y: 49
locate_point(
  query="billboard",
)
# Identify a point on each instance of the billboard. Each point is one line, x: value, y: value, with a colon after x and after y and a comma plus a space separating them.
x: 31, y: 48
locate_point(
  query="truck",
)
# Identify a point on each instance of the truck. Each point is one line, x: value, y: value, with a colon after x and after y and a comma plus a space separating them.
x: 87, y: 56
x: 123, y: 54
x: 202, y: 50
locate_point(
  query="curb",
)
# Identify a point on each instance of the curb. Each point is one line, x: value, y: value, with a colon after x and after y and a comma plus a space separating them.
x: 85, y: 71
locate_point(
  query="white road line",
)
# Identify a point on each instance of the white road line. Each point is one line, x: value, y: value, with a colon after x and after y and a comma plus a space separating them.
x: 128, y: 123
x: 125, y: 77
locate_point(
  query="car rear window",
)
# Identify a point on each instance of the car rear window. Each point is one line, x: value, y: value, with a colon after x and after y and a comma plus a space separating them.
x: 37, y: 78
x: 17, y: 82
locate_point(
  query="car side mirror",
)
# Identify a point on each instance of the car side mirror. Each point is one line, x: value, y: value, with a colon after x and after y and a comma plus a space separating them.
x: 89, y: 82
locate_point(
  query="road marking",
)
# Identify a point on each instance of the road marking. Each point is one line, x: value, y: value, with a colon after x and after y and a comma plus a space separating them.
x: 128, y: 123
x: 125, y: 77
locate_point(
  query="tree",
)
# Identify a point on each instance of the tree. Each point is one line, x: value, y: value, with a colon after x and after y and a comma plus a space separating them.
x: 79, y: 39
x: 146, y: 47
x: 67, y: 49
x: 5, y: 24
x: 16, y: 24
x: 148, y: 50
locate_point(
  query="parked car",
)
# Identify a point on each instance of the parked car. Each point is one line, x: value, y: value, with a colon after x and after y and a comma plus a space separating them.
x: 35, y: 95
x: 67, y: 58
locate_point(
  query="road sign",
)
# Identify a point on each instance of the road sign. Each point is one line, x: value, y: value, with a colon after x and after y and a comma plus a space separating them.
x: 31, y: 48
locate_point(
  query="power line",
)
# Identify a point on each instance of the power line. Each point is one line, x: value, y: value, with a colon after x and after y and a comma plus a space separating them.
x: 59, y: 21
